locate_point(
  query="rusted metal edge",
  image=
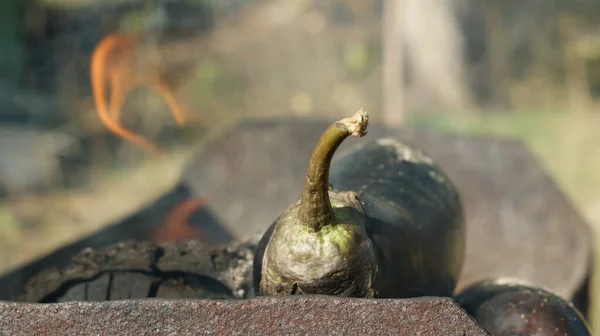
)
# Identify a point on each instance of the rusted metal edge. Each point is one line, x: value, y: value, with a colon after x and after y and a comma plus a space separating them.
x: 289, y: 315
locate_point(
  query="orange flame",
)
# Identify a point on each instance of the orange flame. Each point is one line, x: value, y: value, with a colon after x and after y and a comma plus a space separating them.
x: 111, y: 65
x: 176, y: 225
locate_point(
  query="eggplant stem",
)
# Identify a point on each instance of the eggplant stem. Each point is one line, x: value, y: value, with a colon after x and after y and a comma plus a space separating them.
x: 315, y: 207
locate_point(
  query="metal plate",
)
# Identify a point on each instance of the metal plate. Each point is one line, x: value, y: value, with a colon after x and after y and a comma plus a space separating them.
x: 294, y: 315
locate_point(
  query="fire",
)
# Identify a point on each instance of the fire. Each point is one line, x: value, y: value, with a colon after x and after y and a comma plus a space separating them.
x: 113, y: 66
x: 176, y: 225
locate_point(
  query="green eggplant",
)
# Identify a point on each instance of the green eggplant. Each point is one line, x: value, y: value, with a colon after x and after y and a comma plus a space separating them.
x: 511, y: 307
x: 389, y: 225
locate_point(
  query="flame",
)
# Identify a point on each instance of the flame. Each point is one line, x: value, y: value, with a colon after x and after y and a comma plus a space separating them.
x: 112, y: 62
x: 176, y: 225
x: 112, y: 66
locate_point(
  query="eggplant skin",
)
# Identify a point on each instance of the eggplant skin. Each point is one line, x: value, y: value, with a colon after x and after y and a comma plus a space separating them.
x: 259, y: 254
x: 414, y: 218
x: 509, y: 307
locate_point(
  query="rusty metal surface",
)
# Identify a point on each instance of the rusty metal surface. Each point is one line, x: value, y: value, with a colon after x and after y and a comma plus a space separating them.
x: 297, y: 315
x: 519, y: 223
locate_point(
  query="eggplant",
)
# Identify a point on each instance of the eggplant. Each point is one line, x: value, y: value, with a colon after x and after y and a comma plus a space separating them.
x: 509, y: 306
x: 389, y: 225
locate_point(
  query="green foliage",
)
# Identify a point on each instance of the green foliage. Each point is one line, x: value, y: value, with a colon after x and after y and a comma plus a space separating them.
x: 11, y: 30
x: 206, y: 75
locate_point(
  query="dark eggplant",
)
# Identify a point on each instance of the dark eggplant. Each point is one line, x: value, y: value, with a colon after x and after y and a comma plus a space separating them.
x: 389, y: 225
x: 510, y: 307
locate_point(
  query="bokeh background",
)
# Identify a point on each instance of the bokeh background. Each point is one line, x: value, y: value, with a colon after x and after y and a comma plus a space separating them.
x: 526, y: 69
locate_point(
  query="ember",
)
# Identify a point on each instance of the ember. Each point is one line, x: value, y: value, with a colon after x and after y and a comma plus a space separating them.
x: 177, y: 226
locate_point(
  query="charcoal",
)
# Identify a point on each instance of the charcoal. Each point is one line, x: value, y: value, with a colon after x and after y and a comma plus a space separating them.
x: 135, y: 270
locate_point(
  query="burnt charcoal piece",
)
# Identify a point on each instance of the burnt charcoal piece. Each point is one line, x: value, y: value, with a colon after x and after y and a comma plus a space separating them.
x: 509, y: 307
x: 281, y: 315
x: 143, y: 225
x: 134, y: 270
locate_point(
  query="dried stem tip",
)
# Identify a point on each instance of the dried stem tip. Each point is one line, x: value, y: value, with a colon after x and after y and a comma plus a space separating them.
x: 357, y: 124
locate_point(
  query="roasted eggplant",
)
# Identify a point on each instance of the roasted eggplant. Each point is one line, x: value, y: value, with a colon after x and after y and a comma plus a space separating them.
x: 390, y: 224
x: 511, y: 307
